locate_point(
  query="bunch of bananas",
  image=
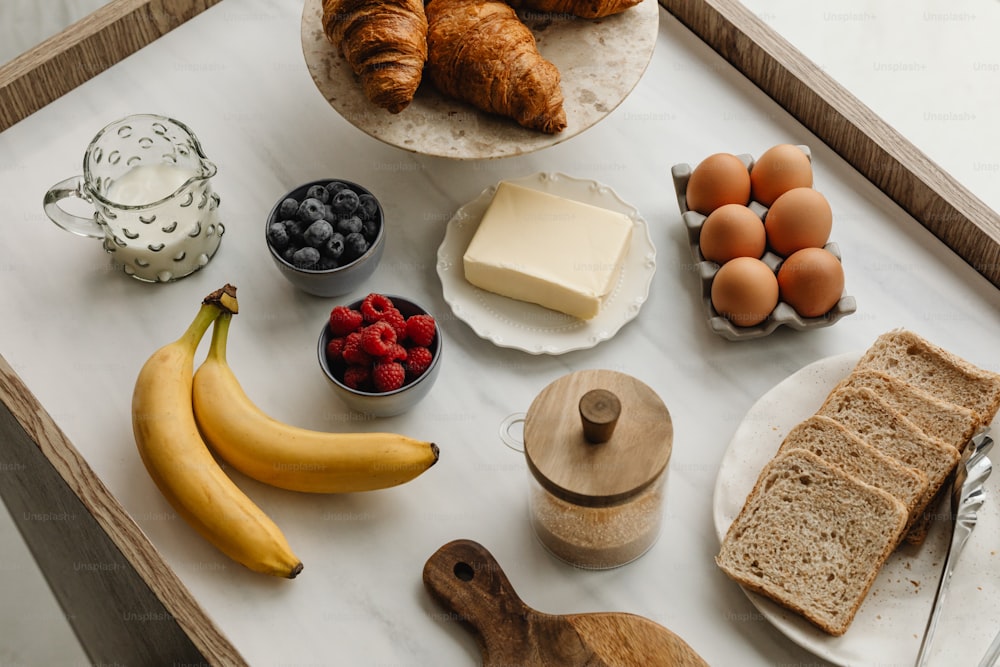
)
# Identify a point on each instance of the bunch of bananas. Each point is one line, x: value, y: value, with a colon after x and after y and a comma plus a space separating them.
x: 180, y: 418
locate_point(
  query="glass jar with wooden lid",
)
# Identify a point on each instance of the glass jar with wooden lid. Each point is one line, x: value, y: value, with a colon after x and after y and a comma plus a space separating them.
x: 597, y: 444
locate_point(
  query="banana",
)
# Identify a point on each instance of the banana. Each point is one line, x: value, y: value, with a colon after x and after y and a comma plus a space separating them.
x: 183, y: 467
x: 290, y: 457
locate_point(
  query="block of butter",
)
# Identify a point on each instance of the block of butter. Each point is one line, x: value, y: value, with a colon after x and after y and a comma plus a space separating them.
x: 545, y: 249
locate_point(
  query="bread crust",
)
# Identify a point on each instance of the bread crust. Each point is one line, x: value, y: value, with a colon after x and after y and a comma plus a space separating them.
x: 586, y: 9
x: 954, y: 424
x: 385, y: 44
x: 906, y: 355
x: 481, y: 53
x: 835, y: 444
x: 870, y: 418
x: 827, y: 593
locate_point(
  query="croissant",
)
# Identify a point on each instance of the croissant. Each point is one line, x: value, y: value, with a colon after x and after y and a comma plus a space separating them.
x: 384, y: 42
x: 586, y: 9
x: 479, y: 52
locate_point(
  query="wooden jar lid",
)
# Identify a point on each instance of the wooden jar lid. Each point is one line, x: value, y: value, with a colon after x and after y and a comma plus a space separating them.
x: 586, y: 471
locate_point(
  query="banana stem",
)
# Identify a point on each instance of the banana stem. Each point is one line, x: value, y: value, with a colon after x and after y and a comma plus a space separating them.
x: 196, y: 330
x: 220, y: 335
x: 221, y: 301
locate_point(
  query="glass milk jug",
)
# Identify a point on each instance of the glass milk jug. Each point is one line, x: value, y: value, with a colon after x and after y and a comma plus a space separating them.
x: 149, y: 183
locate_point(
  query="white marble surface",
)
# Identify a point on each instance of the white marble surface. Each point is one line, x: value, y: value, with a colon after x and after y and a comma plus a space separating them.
x: 77, y: 333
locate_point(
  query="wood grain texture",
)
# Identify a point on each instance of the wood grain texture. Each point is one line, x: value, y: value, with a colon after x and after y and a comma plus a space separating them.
x: 597, y: 475
x: 887, y: 159
x: 85, y: 49
x: 465, y: 578
x: 122, y: 600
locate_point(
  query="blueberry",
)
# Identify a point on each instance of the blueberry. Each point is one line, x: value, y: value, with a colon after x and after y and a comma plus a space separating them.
x: 318, y: 192
x: 333, y: 187
x: 326, y: 263
x: 345, y: 202
x: 370, y: 229
x: 349, y: 225
x: 311, y: 210
x: 318, y: 233
x: 329, y: 215
x: 288, y: 208
x: 305, y: 258
x: 288, y: 253
x: 368, y: 206
x: 295, y: 229
x: 334, y: 246
x: 355, y: 245
x: 277, y: 235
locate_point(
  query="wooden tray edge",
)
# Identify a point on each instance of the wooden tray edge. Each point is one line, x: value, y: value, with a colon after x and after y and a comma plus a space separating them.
x: 893, y: 164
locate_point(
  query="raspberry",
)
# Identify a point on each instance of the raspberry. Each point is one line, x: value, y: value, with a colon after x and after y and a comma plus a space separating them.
x: 344, y: 320
x: 335, y: 350
x: 373, y: 305
x: 354, y: 353
x: 388, y: 375
x: 418, y: 360
x: 357, y: 376
x: 398, y: 322
x: 421, y: 329
x: 378, y: 338
x: 397, y: 353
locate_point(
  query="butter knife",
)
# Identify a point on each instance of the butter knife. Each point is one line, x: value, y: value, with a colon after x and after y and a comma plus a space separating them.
x: 966, y: 497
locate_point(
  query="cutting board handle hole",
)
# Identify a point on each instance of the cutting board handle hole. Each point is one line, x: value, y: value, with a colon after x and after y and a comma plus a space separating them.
x: 464, y: 571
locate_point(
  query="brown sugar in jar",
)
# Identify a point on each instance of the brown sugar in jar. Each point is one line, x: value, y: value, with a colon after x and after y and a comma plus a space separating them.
x: 597, y: 537
x: 597, y: 444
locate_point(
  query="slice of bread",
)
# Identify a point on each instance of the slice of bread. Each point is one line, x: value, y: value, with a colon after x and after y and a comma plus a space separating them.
x: 870, y: 418
x: 954, y: 424
x: 832, y: 442
x: 909, y: 357
x: 812, y: 538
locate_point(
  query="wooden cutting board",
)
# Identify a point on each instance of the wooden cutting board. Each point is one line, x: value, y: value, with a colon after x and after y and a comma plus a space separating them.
x: 464, y: 577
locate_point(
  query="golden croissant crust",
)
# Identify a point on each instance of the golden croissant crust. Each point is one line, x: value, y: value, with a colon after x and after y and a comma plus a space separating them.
x: 480, y: 52
x: 587, y: 9
x: 384, y: 42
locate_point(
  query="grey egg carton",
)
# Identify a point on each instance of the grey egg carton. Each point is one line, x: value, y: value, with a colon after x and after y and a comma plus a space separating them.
x: 783, y: 314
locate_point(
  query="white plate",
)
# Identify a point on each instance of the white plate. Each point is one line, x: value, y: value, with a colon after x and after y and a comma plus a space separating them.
x: 599, y: 63
x: 528, y: 327
x: 890, y: 623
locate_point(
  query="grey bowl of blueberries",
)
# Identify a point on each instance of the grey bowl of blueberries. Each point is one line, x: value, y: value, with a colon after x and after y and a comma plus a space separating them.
x: 326, y: 237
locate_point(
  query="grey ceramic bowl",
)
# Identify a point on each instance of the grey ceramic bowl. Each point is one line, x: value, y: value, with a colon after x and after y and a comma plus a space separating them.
x: 385, y: 404
x: 336, y: 281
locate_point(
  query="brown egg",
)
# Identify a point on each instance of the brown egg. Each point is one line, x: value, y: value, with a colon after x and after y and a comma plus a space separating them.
x: 732, y: 230
x: 719, y: 179
x: 800, y: 218
x: 811, y: 281
x: 778, y: 170
x: 745, y: 291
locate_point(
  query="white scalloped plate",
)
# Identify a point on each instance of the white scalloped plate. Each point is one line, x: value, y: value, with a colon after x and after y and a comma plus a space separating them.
x: 890, y: 623
x: 534, y: 329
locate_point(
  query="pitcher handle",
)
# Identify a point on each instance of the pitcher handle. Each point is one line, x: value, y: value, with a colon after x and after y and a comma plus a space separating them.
x: 71, y: 187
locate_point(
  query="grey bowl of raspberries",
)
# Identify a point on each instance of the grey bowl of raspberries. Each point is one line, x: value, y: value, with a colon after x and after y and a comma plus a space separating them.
x: 326, y: 237
x: 381, y: 354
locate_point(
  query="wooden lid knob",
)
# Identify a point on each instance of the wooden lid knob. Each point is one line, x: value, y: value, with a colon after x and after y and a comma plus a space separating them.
x: 599, y: 411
